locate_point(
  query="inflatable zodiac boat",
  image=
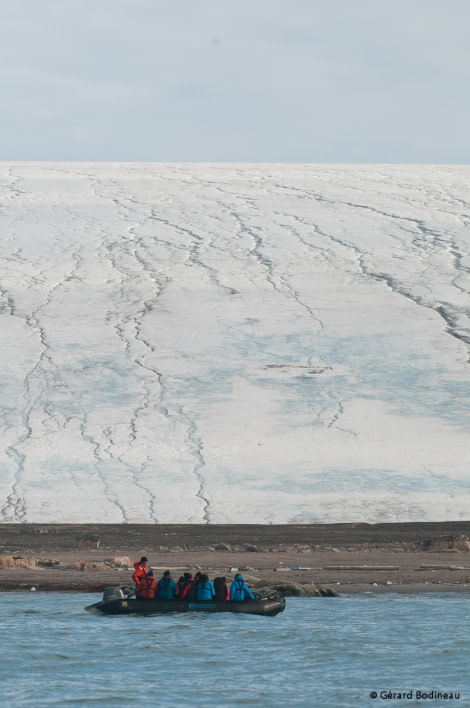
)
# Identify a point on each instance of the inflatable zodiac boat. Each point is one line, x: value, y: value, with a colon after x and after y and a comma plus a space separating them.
x: 115, y: 602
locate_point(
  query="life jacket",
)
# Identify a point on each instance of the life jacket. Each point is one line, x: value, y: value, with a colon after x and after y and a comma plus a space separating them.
x: 147, y: 587
x: 139, y: 572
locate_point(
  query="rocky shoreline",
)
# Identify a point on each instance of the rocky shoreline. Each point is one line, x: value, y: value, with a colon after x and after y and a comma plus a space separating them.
x: 296, y: 560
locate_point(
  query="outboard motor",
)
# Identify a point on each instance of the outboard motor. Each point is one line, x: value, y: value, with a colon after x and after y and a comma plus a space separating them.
x: 114, y: 593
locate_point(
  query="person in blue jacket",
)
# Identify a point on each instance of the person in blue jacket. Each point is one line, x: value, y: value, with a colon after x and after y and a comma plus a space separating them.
x: 166, y: 587
x: 205, y: 588
x: 239, y: 590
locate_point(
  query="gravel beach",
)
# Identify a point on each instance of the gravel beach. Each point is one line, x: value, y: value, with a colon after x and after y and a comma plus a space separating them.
x: 347, y: 558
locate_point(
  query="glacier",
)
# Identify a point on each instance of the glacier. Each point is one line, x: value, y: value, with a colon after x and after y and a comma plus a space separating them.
x: 234, y: 343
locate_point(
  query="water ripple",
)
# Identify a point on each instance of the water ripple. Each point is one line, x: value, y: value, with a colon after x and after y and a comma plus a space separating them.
x: 322, y: 652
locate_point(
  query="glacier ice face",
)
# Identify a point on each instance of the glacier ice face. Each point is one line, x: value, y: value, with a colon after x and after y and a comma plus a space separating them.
x: 234, y: 343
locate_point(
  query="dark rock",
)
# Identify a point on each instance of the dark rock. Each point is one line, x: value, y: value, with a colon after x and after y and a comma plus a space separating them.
x: 88, y: 541
x: 447, y: 543
x: 49, y: 563
x: 295, y: 590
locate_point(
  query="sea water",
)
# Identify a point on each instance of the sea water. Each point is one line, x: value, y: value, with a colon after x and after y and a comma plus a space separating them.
x: 357, y: 650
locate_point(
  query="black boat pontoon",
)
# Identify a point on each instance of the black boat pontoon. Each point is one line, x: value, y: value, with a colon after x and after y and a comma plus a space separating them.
x: 115, y: 602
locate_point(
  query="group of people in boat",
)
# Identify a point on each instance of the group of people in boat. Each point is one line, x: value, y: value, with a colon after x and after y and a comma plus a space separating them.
x: 187, y: 587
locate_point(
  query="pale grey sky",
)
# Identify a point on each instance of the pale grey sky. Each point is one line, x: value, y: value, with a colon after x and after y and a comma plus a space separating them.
x: 235, y: 80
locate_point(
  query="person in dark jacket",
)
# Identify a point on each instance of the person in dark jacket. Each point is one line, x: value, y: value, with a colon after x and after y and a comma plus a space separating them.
x: 205, y: 588
x: 197, y: 577
x: 221, y: 589
x: 179, y: 585
x: 147, y: 587
x: 239, y: 590
x: 166, y: 587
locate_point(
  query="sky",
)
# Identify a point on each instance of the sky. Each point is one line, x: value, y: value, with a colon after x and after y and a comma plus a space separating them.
x: 307, y: 81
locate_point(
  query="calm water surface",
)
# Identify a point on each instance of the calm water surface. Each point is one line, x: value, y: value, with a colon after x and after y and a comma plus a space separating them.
x: 320, y: 652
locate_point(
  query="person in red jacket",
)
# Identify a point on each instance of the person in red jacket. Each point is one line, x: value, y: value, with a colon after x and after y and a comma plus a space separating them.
x: 140, y: 570
x: 187, y: 587
x: 147, y: 587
